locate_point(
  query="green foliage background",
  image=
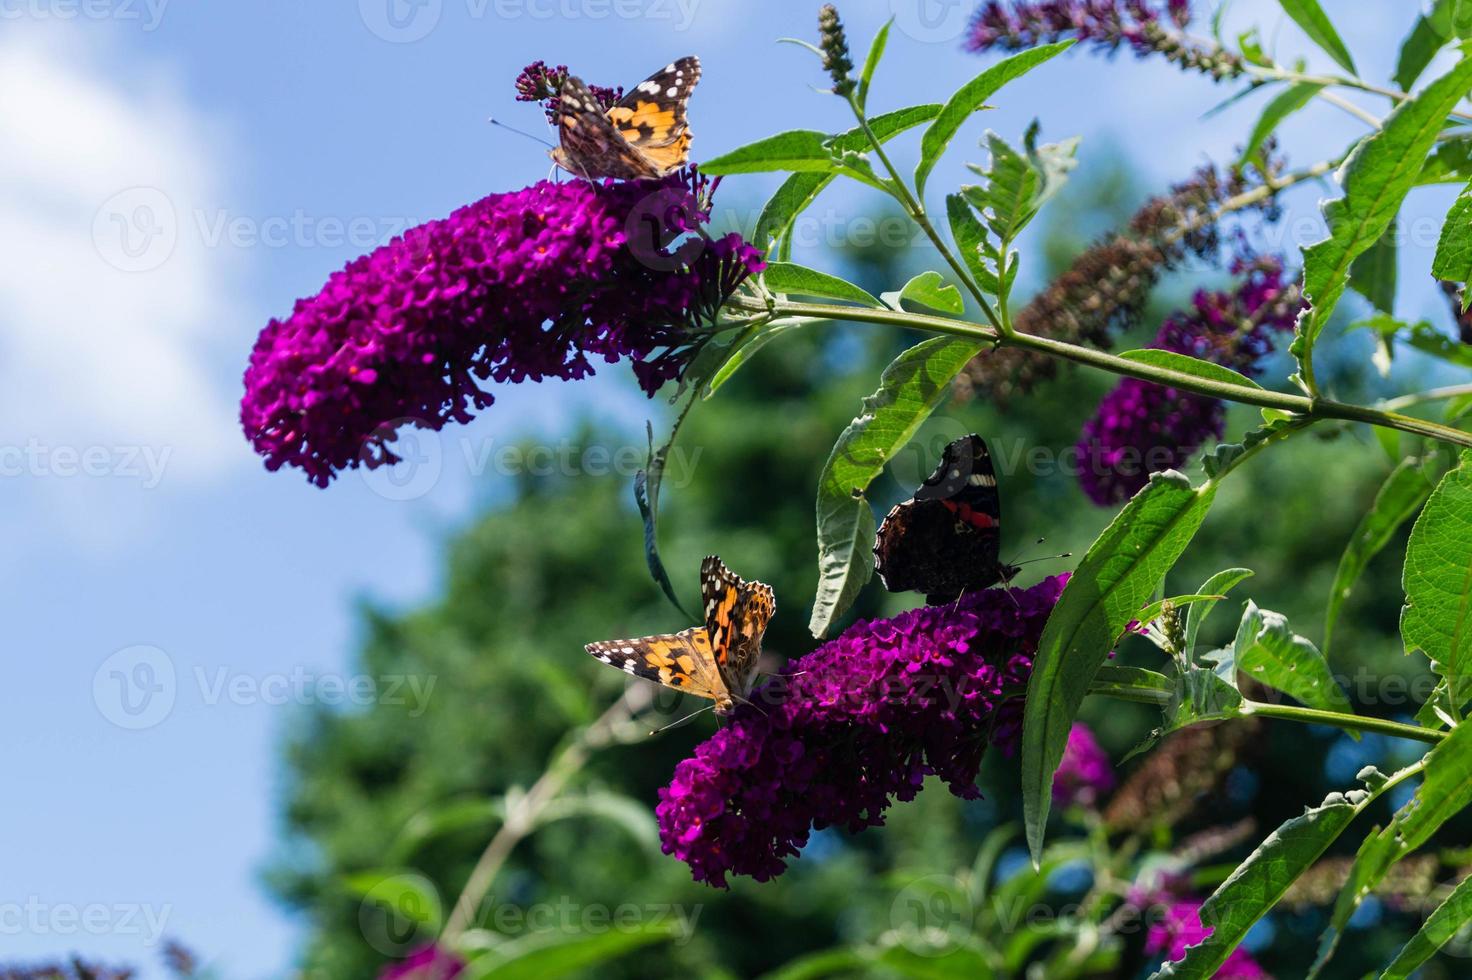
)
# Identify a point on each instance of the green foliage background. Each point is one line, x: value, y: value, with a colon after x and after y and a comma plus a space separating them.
x: 528, y: 583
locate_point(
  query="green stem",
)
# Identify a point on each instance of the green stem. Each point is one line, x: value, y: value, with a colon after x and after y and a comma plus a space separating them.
x: 1275, y: 73
x: 1152, y: 692
x: 1422, y: 397
x: 1350, y: 723
x: 916, y: 210
x: 1315, y: 409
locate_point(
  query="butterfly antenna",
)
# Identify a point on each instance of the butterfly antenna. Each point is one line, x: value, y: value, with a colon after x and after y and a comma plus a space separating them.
x: 681, y: 721
x: 520, y: 132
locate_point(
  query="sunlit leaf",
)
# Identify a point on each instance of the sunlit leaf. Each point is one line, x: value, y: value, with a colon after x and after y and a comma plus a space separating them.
x: 971, y: 97
x: 910, y: 389
x: 1398, y: 499
x: 1117, y: 576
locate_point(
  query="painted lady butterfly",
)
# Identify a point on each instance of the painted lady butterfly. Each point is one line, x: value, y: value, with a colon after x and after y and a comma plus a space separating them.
x: 645, y: 135
x: 716, y: 661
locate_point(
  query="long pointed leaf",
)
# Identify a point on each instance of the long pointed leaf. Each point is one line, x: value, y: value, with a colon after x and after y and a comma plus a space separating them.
x: 1118, y: 575
x: 909, y: 390
x: 971, y: 97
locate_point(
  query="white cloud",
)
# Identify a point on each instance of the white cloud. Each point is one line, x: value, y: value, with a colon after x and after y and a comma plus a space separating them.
x: 108, y: 310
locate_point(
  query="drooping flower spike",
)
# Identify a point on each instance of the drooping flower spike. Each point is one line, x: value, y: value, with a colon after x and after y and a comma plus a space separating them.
x: 1142, y: 427
x: 538, y: 283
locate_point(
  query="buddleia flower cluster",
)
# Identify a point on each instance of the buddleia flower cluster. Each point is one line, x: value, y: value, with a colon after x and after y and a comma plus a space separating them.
x: 1085, y: 775
x: 544, y: 282
x: 540, y: 83
x: 428, y: 963
x: 1144, y: 27
x: 1142, y: 427
x: 1104, y: 291
x: 859, y: 723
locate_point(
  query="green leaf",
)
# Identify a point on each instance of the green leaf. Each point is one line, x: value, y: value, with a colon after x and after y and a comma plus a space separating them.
x: 1201, y: 694
x: 1315, y: 23
x: 1270, y: 653
x: 1445, y: 791
x: 1450, y: 163
x: 931, y: 293
x: 447, y: 818
x: 1398, y: 499
x: 1373, y: 274
x: 1454, y: 250
x: 787, y: 277
x: 1194, y: 366
x: 403, y: 893
x: 1133, y: 684
x: 909, y: 390
x: 609, y: 809
x: 1437, y: 616
x: 1376, y: 177
x: 801, y: 189
x: 970, y: 98
x: 646, y: 497
x: 1260, y: 881
x: 749, y: 349
x: 1118, y: 575
x: 1427, y: 37
x: 1283, y: 105
x: 843, y: 961
x: 560, y: 952
x: 1450, y: 918
x: 1009, y: 196
x: 1220, y: 583
x: 798, y: 149
x: 970, y: 238
x: 1158, y: 608
x: 876, y: 52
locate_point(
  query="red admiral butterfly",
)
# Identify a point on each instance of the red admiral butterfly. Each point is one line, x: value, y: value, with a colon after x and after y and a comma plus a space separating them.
x: 945, y: 540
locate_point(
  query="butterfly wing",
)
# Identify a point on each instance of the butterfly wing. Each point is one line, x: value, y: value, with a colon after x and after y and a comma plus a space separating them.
x: 946, y: 539
x: 682, y: 661
x: 653, y: 116
x: 736, y: 616
x: 591, y: 145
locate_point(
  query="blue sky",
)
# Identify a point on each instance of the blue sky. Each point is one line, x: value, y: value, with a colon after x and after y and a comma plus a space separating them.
x: 174, y: 175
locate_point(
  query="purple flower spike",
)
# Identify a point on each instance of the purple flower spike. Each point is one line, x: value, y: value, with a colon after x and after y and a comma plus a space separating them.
x: 1180, y: 926
x: 1085, y: 775
x: 538, y: 283
x: 1141, y: 427
x: 429, y: 963
x: 854, y: 725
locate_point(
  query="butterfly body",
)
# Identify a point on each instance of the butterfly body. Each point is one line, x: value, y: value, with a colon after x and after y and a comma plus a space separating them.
x: 716, y: 661
x: 645, y: 135
x: 946, y: 539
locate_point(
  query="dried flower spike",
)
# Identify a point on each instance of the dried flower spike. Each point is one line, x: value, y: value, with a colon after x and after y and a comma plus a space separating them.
x: 834, y: 45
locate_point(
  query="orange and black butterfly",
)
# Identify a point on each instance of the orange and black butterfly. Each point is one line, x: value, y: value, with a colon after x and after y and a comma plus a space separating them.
x: 716, y: 661
x: 646, y: 134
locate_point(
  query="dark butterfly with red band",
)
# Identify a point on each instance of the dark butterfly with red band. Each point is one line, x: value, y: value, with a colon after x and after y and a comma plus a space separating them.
x: 946, y: 539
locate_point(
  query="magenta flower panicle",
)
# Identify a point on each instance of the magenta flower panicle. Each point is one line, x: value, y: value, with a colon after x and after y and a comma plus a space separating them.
x: 1085, y: 775
x: 853, y: 726
x: 538, y: 283
x: 428, y: 963
x: 1141, y: 427
x: 1180, y: 927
